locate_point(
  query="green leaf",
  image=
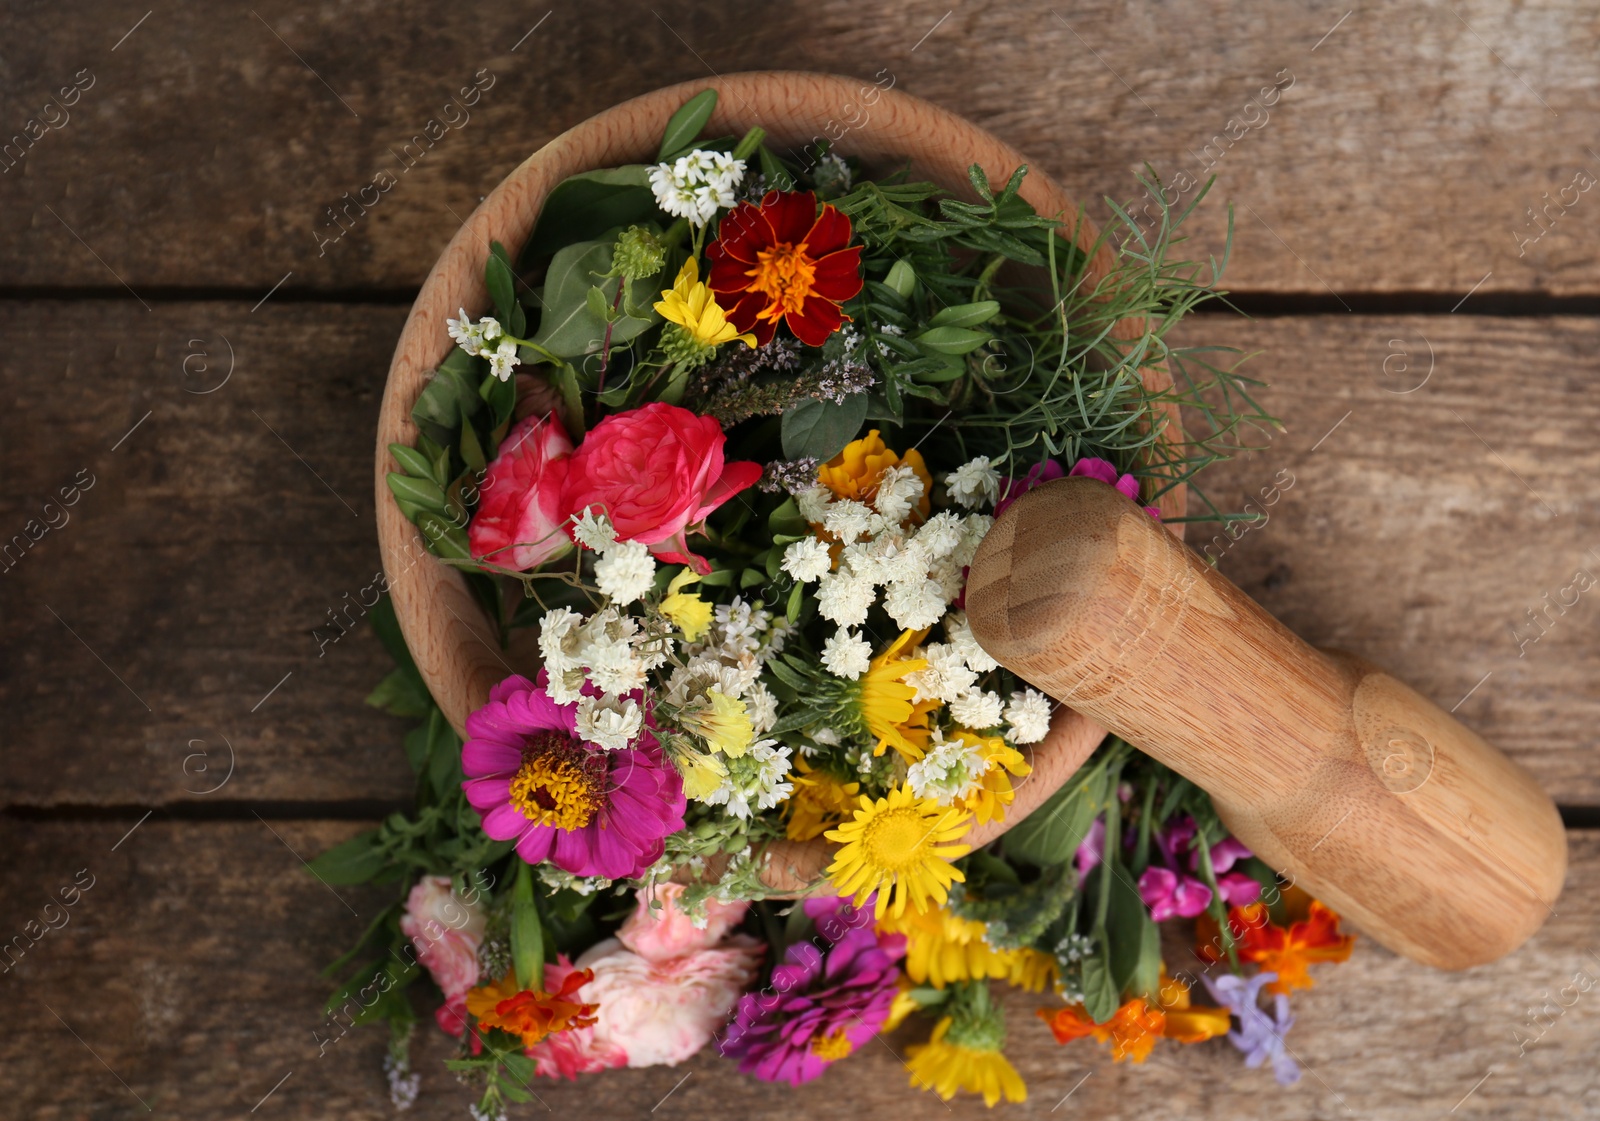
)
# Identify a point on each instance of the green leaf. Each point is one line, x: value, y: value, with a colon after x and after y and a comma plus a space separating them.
x: 413, y: 462
x: 354, y: 862
x: 686, y: 123
x: 444, y: 756
x: 786, y: 521
x: 597, y: 304
x: 821, y: 428
x: 966, y: 315
x: 750, y: 577
x: 472, y: 450
x: 402, y: 693
x: 1146, y: 980
x: 527, y: 933
x: 501, y: 397
x: 445, y: 538
x: 587, y: 205
x: 502, y: 285
x: 777, y: 175
x: 416, y: 745
x: 1125, y: 922
x: 792, y: 612
x: 569, y: 329
x: 1052, y: 833
x: 952, y: 340
x: 1099, y: 993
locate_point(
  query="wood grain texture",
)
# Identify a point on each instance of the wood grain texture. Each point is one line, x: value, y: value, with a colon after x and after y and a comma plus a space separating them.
x: 1405, y: 155
x: 189, y: 970
x: 1330, y: 770
x: 445, y: 629
x: 205, y: 558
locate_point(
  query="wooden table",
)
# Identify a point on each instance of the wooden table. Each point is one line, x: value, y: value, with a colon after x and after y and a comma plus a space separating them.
x: 194, y: 343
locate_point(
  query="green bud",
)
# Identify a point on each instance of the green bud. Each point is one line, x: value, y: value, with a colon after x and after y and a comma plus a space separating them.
x: 736, y: 843
x: 638, y: 254
x: 683, y: 348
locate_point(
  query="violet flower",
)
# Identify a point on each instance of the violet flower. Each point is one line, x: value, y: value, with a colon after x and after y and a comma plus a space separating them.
x: 1091, y: 849
x: 1259, y: 1035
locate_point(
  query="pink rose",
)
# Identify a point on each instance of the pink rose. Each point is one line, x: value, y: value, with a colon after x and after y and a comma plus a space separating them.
x: 660, y: 1013
x: 667, y: 932
x: 446, y: 931
x: 519, y: 521
x: 575, y: 1051
x: 656, y: 472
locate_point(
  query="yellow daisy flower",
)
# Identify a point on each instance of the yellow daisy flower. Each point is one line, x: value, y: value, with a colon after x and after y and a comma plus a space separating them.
x: 819, y: 802
x: 686, y: 610
x: 947, y: 1068
x: 690, y: 305
x: 885, y: 704
x: 1032, y: 970
x: 902, y: 846
x: 702, y: 772
x: 989, y: 801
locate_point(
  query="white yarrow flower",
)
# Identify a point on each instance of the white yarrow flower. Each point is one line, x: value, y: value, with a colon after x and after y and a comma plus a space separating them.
x: 756, y: 780
x: 625, y: 571
x: 850, y: 521
x: 807, y: 560
x: 915, y: 604
x: 612, y: 722
x: 697, y: 185
x: 594, y: 530
x: 844, y: 598
x: 1028, y: 715
x: 974, y: 484
x: 846, y: 655
x: 962, y: 638
x: 950, y: 770
x: 813, y: 504
x: 946, y: 676
x: 940, y: 535
x: 978, y: 710
x: 898, y: 491
x: 560, y: 638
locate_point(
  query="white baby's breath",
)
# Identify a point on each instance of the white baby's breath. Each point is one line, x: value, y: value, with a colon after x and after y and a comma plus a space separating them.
x: 612, y: 722
x: 1028, y: 717
x: 625, y: 571
x: 846, y: 655
x: 807, y: 560
x: 974, y: 484
x: 593, y: 530
x: 978, y: 710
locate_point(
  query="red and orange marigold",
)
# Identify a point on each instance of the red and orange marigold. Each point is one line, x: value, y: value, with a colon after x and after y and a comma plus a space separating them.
x: 784, y: 260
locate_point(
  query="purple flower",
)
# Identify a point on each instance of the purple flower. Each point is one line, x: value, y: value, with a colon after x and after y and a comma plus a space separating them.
x: 1238, y: 889
x: 1259, y: 1035
x: 1224, y: 855
x: 820, y: 1005
x: 1170, y: 894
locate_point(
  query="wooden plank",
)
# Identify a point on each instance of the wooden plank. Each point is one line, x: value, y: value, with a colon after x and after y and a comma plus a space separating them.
x: 1433, y: 505
x: 202, y: 566
x: 188, y: 974
x: 1399, y: 149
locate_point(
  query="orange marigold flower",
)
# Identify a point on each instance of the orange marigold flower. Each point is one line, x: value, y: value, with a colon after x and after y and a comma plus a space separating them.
x: 1284, y: 951
x: 784, y: 260
x: 1132, y: 1032
x: 854, y: 472
x: 531, y: 1014
x: 1188, y: 1023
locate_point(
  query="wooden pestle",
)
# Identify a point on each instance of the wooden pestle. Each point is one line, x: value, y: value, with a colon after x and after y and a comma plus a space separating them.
x: 1336, y: 774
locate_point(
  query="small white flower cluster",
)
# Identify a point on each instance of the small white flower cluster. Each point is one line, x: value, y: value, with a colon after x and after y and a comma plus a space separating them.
x: 558, y: 878
x: 950, y: 770
x: 974, y: 484
x: 918, y: 569
x: 951, y: 678
x: 1028, y: 717
x: 479, y: 340
x: 888, y: 329
x: 626, y: 570
x: 730, y: 659
x: 609, y: 649
x: 756, y: 780
x: 698, y: 185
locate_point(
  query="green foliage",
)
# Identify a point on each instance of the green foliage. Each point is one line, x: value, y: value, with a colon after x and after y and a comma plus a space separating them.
x: 572, y: 325
x: 584, y: 206
x: 822, y: 428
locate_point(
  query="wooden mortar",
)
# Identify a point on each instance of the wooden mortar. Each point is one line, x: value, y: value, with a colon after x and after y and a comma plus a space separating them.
x: 1336, y: 774
x: 447, y: 632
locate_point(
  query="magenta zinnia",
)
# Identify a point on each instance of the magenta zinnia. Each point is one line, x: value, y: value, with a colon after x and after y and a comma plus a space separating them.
x: 590, y: 811
x: 819, y: 1007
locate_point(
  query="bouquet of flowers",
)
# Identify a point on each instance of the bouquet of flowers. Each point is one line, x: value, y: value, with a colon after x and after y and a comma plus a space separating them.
x: 729, y: 461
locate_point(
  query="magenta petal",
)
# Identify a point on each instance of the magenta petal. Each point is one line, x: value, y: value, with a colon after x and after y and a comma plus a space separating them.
x: 489, y: 757
x: 488, y: 792
x: 534, y: 847
x: 1129, y: 486
x: 1090, y: 467
x: 504, y: 822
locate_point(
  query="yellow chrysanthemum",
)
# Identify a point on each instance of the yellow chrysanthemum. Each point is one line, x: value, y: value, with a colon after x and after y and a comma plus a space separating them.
x: 686, y: 610
x: 819, y: 802
x: 723, y: 722
x: 947, y: 1068
x: 702, y: 772
x: 942, y: 948
x: 899, y: 846
x: 886, y: 707
x: 1032, y: 970
x: 904, y: 1004
x: 993, y: 794
x: 690, y: 305
x: 854, y: 472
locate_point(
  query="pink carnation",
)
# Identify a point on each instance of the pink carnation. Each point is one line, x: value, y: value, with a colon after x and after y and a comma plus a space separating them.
x: 575, y: 1051
x: 661, y: 1012
x: 656, y: 472
x: 446, y: 931
x: 666, y: 932
x: 519, y: 521
x: 1050, y: 470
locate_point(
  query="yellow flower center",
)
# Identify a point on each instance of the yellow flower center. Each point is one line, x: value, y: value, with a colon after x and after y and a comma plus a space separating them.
x: 784, y: 274
x: 832, y: 1047
x: 560, y: 783
x: 894, y: 838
